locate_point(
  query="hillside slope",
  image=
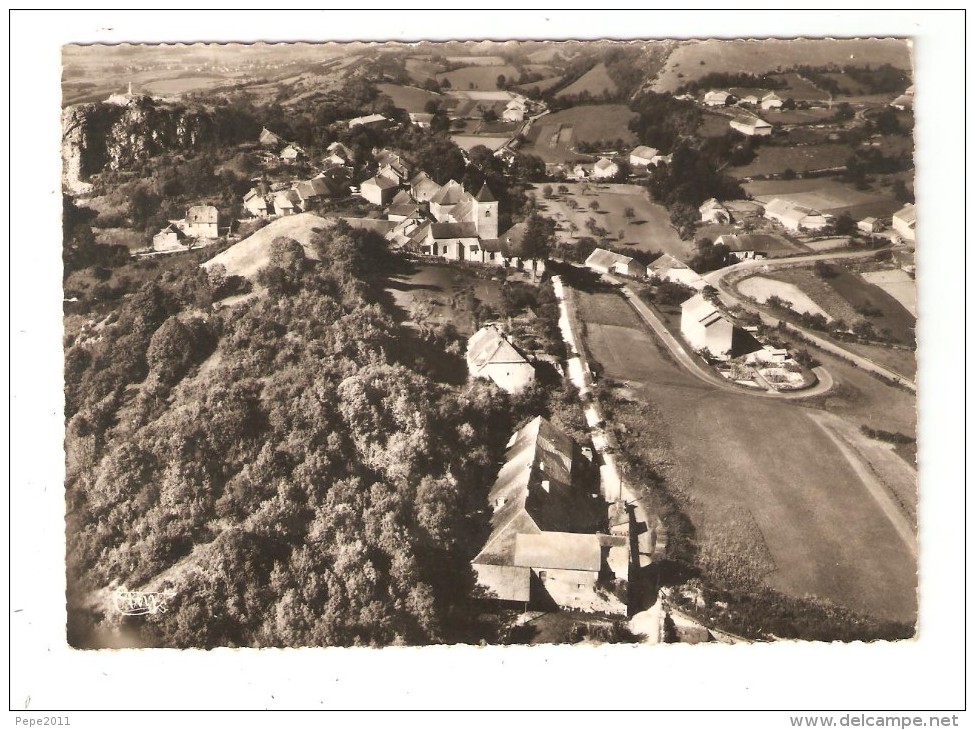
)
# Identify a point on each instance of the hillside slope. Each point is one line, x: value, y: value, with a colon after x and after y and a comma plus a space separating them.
x: 251, y: 255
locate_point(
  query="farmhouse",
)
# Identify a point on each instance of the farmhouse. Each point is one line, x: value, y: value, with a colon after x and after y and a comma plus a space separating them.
x: 745, y: 97
x: 751, y: 126
x: 423, y: 188
x: 269, y: 139
x: 379, y: 190
x: 201, y: 221
x: 514, y: 111
x: 795, y: 217
x: 292, y: 153
x: 605, y: 168
x: 170, y: 238
x: 607, y: 262
x: 421, y: 119
x: 371, y: 120
x: 491, y: 356
x: 904, y: 222
x: 703, y: 326
x: 869, y: 225
x: 543, y: 549
x: 771, y: 101
x: 255, y: 203
x: 338, y: 154
x: 713, y: 212
x: 716, y: 97
x: 740, y: 247
x: 310, y: 191
x: 668, y: 268
x: 643, y: 156
x: 285, y: 202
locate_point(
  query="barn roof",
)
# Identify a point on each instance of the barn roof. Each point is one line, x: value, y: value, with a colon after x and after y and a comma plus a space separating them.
x: 558, y: 551
x: 202, y: 214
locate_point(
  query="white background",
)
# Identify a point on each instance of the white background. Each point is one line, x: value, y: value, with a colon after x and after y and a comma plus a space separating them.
x: 921, y: 675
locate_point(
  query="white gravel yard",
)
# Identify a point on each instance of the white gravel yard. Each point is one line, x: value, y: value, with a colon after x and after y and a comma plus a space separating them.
x: 760, y: 289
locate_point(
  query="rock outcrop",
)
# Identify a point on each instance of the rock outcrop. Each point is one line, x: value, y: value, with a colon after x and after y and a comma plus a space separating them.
x: 103, y: 136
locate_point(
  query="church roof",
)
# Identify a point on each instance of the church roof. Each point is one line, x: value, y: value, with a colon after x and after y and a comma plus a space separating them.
x: 485, y: 195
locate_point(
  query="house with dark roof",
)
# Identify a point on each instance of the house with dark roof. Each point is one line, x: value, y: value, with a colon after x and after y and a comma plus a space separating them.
x: 491, y: 356
x: 544, y: 549
x: 202, y: 221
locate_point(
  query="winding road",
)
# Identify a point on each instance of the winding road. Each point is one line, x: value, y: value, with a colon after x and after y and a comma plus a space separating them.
x: 730, y: 298
x: 697, y: 369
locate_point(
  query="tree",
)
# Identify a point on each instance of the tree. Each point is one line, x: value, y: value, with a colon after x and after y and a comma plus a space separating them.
x: 628, y: 212
x: 547, y: 191
x: 788, y: 174
x: 501, y: 81
x: 432, y: 106
x: 594, y: 205
x: 538, y: 238
x: 489, y: 115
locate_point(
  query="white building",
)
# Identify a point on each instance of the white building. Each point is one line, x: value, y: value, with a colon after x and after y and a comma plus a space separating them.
x: 795, y: 217
x: 491, y: 356
x: 643, y: 156
x: 904, y: 222
x: 703, y: 326
x: 716, y: 97
x: 605, y: 168
x: 751, y: 126
x: 713, y: 212
x: 771, y: 101
x: 607, y: 262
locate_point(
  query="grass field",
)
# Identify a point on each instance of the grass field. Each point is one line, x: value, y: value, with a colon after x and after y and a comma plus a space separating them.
x: 796, y: 116
x: 409, y: 98
x: 421, y: 68
x: 587, y: 123
x: 596, y: 80
x: 898, y: 284
x: 772, y: 160
x: 429, y: 291
x: 252, y: 254
x: 648, y: 230
x: 764, y: 473
x: 542, y: 85
x: 767, y: 56
x: 800, y: 89
x: 713, y: 125
x: 838, y: 197
x: 481, y: 78
x: 760, y: 288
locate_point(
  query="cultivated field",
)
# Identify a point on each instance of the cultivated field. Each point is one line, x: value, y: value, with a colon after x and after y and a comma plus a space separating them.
x: 795, y: 116
x: 587, y: 123
x: 648, y: 230
x: 760, y: 289
x: 409, y: 98
x: 422, y: 68
x: 764, y: 474
x: 898, y: 284
x: 772, y: 160
x: 470, y: 141
x: 596, y: 81
x: 482, y: 78
x: 542, y: 85
x: 741, y: 55
x: 833, y: 196
x: 841, y: 296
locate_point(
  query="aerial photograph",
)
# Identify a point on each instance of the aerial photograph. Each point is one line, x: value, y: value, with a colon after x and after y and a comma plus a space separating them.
x: 489, y: 343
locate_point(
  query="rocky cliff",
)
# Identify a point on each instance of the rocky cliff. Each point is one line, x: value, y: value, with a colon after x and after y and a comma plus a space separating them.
x: 112, y: 136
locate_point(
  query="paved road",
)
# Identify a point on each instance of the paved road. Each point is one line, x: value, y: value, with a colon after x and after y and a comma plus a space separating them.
x: 717, y: 280
x: 697, y: 368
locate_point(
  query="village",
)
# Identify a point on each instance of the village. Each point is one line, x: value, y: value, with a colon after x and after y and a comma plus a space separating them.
x: 766, y: 296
